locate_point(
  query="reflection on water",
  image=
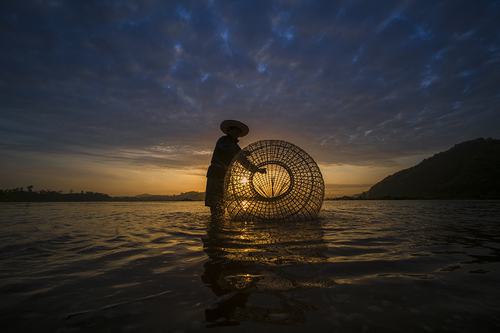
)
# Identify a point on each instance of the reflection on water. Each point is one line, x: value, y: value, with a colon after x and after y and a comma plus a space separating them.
x: 251, y: 259
x: 376, y: 266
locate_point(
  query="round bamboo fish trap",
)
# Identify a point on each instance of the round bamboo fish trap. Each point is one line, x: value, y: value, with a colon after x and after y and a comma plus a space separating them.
x: 292, y: 189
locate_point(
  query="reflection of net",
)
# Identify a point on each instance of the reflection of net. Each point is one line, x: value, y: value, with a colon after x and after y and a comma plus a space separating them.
x: 271, y: 242
x: 252, y: 258
x: 292, y: 189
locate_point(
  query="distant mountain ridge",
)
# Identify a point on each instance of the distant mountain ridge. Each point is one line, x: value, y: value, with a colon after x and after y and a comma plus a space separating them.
x: 21, y: 195
x: 185, y: 196
x: 468, y: 170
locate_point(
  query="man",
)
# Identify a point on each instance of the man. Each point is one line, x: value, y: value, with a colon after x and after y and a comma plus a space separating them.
x: 224, y: 152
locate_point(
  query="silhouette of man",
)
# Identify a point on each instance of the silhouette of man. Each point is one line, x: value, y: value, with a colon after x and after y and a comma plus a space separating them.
x: 225, y: 150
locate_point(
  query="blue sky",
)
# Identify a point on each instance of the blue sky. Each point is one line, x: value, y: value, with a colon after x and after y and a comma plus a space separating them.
x: 126, y: 97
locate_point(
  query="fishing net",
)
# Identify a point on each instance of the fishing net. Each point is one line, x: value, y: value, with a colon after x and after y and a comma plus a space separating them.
x: 292, y: 189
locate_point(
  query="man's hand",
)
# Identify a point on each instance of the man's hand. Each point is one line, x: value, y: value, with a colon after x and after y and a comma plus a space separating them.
x: 262, y: 170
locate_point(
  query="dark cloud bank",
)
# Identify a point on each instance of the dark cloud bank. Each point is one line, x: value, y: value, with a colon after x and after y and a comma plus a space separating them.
x: 351, y: 82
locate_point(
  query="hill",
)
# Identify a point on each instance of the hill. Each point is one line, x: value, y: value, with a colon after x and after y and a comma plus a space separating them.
x: 468, y: 170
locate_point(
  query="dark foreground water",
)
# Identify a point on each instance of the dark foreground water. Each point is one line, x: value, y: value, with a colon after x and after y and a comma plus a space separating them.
x: 364, y: 266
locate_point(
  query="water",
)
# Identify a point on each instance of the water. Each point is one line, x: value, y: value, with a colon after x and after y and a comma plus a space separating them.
x: 364, y: 266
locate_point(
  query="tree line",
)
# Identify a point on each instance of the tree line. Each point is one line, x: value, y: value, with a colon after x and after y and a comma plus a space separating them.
x: 21, y: 194
x: 28, y: 195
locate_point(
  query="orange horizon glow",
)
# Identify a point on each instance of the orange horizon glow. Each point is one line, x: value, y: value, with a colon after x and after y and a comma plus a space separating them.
x: 120, y: 179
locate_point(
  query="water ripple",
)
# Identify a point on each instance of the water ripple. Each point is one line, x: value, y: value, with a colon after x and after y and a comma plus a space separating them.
x: 98, y: 262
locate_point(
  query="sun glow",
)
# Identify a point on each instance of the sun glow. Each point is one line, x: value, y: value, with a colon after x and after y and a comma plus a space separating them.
x: 244, y: 205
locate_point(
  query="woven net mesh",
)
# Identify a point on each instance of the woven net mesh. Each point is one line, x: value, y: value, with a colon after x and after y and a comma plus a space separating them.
x: 292, y: 189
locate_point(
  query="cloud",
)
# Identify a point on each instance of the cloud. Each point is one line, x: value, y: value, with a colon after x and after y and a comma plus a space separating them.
x: 352, y: 83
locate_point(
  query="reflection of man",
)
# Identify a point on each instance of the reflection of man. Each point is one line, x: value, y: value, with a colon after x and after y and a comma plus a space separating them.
x: 247, y: 267
x: 224, y: 152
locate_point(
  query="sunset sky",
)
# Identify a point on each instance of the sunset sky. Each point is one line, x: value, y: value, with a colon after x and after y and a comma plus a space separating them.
x: 126, y: 97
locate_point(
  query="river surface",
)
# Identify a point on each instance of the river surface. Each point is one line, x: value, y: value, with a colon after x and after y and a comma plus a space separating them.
x: 363, y: 266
